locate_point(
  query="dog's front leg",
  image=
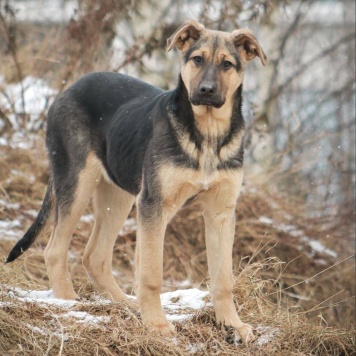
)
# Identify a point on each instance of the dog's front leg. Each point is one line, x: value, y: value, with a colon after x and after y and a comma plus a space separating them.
x: 219, y: 216
x: 152, y: 222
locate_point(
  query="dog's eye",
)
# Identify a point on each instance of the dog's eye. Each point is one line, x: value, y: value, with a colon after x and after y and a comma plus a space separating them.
x: 227, y: 64
x: 198, y: 59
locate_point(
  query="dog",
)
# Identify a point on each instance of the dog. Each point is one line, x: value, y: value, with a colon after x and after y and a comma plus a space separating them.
x: 116, y: 139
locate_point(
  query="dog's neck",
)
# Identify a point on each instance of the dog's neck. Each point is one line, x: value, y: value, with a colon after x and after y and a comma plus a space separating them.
x: 206, y: 123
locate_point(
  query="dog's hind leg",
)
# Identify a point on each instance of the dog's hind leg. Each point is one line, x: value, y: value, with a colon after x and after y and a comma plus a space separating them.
x: 68, y: 212
x: 111, y: 207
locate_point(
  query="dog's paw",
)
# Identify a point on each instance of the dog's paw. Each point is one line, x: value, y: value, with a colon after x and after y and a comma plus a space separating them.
x: 246, y: 333
x: 238, y: 335
x: 165, y: 329
x: 231, y: 335
x: 67, y: 295
x: 131, y: 303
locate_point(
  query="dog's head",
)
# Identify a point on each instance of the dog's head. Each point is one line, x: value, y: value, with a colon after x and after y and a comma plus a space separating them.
x: 213, y: 62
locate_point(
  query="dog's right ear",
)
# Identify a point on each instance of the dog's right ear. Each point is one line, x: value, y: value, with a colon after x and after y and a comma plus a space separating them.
x: 185, y: 35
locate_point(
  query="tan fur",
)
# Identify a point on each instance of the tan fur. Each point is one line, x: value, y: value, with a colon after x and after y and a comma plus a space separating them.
x: 228, y: 151
x: 248, y: 46
x: 111, y: 207
x: 186, y: 144
x: 219, y: 214
x: 57, y: 247
x: 212, y: 121
x: 149, y: 274
x: 230, y: 80
x: 180, y: 38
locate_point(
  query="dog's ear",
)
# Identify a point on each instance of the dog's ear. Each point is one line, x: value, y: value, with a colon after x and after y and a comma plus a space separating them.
x: 247, y: 45
x: 185, y: 35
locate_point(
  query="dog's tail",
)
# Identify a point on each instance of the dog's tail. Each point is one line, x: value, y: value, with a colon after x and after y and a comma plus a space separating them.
x: 38, y: 225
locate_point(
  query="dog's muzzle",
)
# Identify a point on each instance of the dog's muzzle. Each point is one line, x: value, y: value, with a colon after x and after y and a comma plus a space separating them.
x: 207, y: 94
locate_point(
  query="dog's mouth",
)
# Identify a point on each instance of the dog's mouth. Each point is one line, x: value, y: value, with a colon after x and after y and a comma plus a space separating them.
x: 215, y: 103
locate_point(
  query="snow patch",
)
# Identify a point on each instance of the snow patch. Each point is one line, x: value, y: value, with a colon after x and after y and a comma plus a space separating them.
x: 8, y: 205
x: 87, y: 218
x: 5, y: 224
x: 35, y: 329
x: 32, y: 94
x: 130, y: 225
x: 177, y: 303
x: 265, y: 220
x: 184, y: 299
x: 84, y: 317
x: 267, y: 334
x: 9, y: 230
x: 31, y: 97
x: 44, y: 296
x: 194, y: 348
x: 179, y: 317
x: 316, y: 246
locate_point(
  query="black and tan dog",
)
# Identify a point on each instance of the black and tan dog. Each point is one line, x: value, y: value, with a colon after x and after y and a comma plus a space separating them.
x: 114, y: 138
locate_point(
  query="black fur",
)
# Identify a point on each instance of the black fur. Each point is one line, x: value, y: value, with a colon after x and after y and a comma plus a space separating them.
x: 37, y: 226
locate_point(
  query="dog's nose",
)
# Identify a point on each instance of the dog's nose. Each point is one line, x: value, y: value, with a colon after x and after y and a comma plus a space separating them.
x: 207, y: 88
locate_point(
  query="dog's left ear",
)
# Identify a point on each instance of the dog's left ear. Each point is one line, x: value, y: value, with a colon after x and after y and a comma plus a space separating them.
x: 248, y: 46
x: 185, y: 35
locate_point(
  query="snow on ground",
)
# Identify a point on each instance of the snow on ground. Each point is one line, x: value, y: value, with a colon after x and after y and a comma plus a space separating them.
x: 41, y: 297
x: 185, y: 299
x: 33, y: 97
x: 316, y: 246
x: 84, y: 317
x: 32, y: 94
x: 10, y: 230
x: 174, y: 303
x: 179, y: 306
x: 266, y: 334
x: 181, y: 301
x: 130, y: 225
x: 88, y: 218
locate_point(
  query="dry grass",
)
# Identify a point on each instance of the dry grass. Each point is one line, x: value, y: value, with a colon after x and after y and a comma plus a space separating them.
x: 37, y: 328
x: 308, y: 297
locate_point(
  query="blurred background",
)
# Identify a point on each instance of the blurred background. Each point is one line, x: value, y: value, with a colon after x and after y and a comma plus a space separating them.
x: 298, y: 202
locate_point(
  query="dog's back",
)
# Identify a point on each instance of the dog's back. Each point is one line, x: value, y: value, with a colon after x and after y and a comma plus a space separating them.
x: 99, y: 109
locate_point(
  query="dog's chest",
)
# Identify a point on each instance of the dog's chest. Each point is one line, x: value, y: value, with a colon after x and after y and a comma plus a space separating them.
x: 208, y: 161
x: 186, y: 181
